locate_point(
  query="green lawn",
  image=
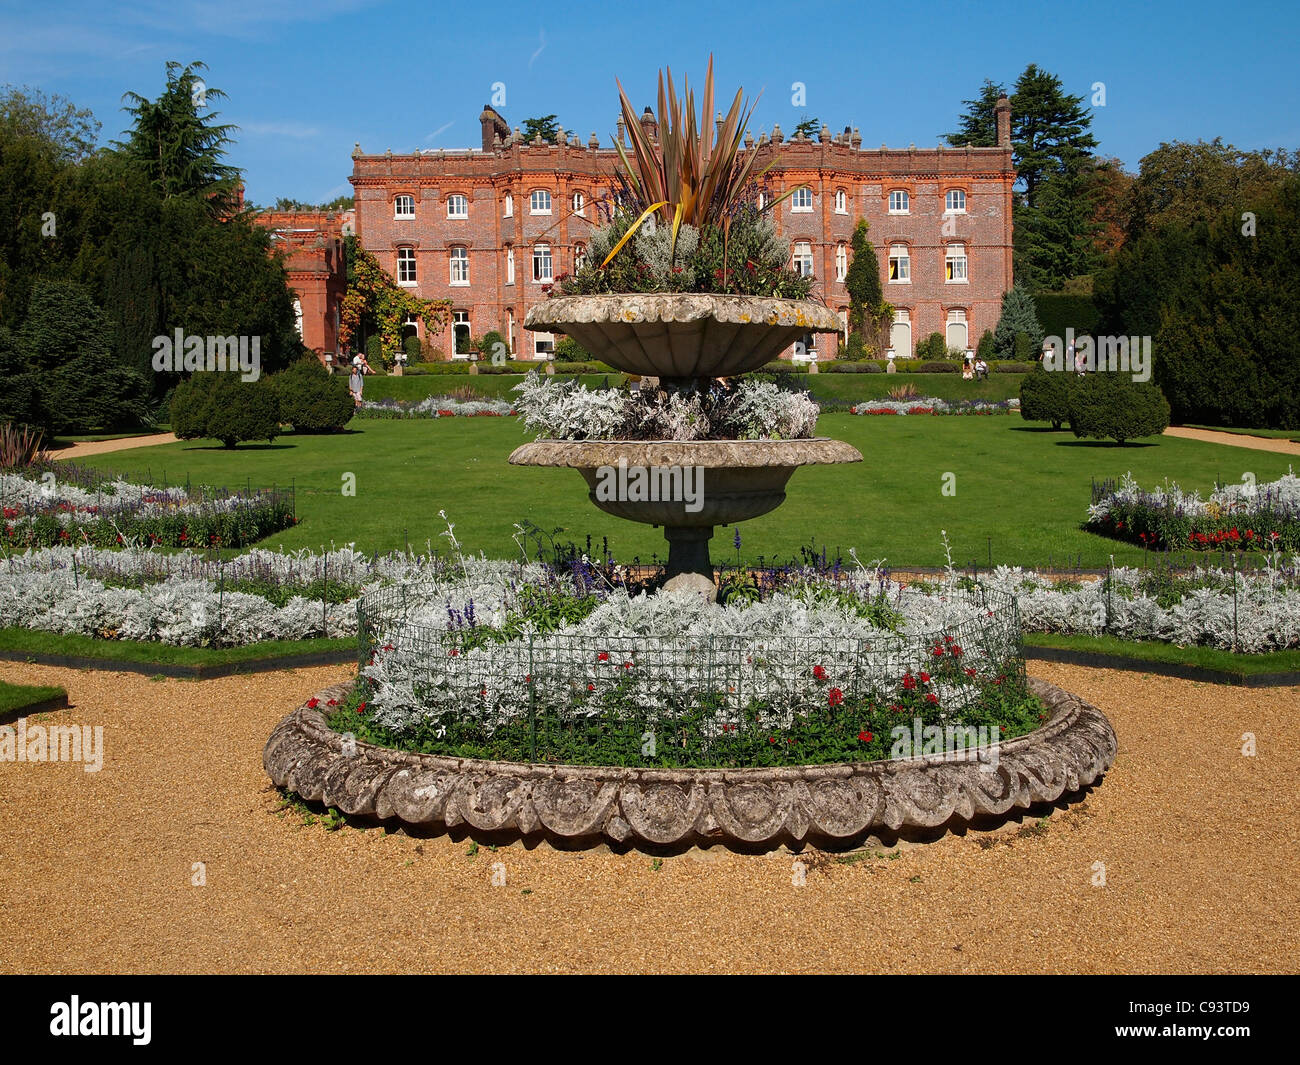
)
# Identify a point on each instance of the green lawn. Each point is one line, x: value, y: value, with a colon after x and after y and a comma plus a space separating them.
x: 1155, y: 651
x: 1024, y: 487
x: 34, y: 641
x: 16, y: 698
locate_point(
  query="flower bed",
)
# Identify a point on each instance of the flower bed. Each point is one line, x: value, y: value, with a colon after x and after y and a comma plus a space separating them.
x: 64, y: 504
x: 928, y: 405
x: 809, y: 676
x: 1236, y: 516
x: 147, y: 595
x: 1210, y: 607
x: 436, y: 407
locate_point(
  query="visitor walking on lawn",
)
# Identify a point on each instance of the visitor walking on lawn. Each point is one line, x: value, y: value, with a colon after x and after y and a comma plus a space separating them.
x: 357, y: 381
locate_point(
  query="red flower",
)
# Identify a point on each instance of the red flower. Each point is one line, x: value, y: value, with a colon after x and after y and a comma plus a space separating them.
x: 627, y: 665
x: 970, y: 672
x: 937, y: 651
x: 925, y: 677
x: 931, y: 697
x: 591, y: 687
x: 865, y: 737
x: 332, y: 702
x: 603, y: 656
x: 835, y: 697
x: 312, y: 704
x: 528, y: 678
x: 361, y: 709
x: 909, y: 681
x: 819, y: 673
x: 771, y: 739
x: 453, y: 652
x: 956, y: 650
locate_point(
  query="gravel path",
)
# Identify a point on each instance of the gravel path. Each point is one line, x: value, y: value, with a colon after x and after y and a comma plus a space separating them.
x: 100, y: 447
x: 1254, y: 443
x: 1201, y: 849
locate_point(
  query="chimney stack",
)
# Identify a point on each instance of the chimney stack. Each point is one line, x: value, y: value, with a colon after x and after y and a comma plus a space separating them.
x: 1003, y: 111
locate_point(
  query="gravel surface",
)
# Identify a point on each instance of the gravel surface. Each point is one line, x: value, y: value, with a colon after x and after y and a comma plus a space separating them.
x: 100, y: 447
x: 1201, y: 848
x: 1254, y: 443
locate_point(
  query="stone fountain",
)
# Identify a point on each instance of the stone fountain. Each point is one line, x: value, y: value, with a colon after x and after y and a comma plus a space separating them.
x: 686, y: 339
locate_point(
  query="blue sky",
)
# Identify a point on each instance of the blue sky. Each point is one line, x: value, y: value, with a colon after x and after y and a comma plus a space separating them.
x: 308, y: 78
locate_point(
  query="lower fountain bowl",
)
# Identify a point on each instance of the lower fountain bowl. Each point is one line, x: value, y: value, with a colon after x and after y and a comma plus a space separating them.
x: 686, y: 483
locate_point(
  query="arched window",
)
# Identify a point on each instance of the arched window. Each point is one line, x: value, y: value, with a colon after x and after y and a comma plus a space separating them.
x: 457, y: 206
x: 510, y: 265
x: 297, y: 316
x: 954, y: 202
x: 957, y: 336
x: 406, y: 266
x: 579, y: 203
x: 841, y: 202
x: 460, y: 333
x: 579, y: 257
x: 900, y: 333
x: 404, y: 206
x: 900, y: 263
x: 841, y: 261
x: 508, y: 206
x: 460, y: 266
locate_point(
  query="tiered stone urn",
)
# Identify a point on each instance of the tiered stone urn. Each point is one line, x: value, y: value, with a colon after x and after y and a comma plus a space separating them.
x: 684, y: 340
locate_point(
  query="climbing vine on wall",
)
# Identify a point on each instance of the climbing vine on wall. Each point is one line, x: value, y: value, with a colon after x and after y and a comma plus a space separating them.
x: 373, y: 296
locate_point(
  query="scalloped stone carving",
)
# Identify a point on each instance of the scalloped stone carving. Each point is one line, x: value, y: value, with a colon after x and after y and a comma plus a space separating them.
x: 682, y: 334
x: 667, y: 807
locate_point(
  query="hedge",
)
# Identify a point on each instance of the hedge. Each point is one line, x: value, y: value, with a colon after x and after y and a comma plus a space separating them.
x: 1058, y: 311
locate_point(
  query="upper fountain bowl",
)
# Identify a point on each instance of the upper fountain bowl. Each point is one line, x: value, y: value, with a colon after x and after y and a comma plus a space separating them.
x: 682, y: 334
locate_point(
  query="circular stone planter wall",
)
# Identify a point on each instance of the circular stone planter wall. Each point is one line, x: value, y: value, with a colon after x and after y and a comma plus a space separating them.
x: 666, y: 807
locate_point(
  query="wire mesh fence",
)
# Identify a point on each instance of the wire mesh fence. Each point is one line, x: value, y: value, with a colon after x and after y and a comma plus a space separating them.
x: 711, y: 698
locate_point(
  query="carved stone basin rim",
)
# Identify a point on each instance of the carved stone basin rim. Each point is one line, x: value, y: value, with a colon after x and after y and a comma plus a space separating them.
x: 712, y: 454
x: 661, y: 807
x: 682, y: 334
x: 808, y: 315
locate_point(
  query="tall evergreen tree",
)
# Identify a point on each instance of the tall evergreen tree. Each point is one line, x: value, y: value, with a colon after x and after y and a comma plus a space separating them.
x: 1019, y: 318
x: 545, y: 127
x: 178, y: 143
x: 869, y: 316
x: 979, y: 124
x: 1050, y: 131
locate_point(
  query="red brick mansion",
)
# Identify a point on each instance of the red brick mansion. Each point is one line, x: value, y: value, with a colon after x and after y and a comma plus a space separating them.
x: 488, y: 228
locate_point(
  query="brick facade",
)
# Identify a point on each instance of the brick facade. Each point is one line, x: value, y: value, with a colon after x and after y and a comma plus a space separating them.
x: 311, y: 243
x: 498, y: 180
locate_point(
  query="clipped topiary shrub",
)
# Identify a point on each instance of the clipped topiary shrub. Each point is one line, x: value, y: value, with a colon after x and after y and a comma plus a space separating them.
x: 1112, y: 406
x: 986, y: 349
x: 312, y: 400
x: 222, y: 407
x: 1045, y: 396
